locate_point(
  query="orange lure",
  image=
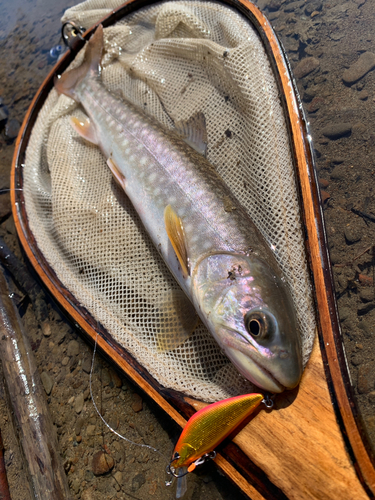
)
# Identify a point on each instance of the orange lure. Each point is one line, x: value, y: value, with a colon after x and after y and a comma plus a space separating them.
x: 210, y: 426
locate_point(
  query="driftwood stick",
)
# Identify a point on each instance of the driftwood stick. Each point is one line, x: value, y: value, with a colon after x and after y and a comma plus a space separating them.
x: 24, y: 280
x: 31, y: 414
x: 4, y: 487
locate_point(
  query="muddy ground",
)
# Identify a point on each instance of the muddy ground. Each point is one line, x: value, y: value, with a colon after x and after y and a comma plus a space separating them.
x: 324, y: 41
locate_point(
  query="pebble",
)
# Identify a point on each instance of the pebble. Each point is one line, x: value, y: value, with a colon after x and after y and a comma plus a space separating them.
x: 292, y: 6
x: 363, y: 95
x: 314, y: 6
x: 78, y: 405
x: 367, y: 295
x: 91, y: 430
x: 138, y: 481
x: 65, y: 361
x: 3, y: 116
x: 46, y: 329
x: 73, y: 348
x: 338, y: 173
x: 357, y: 359
x: 306, y: 66
x: 352, y: 234
x: 47, y: 382
x: 137, y: 404
x: 365, y: 308
x: 344, y: 313
x: 118, y: 477
x: 79, y: 424
x: 371, y: 397
x: 337, y: 130
x: 365, y: 63
x: 315, y: 104
x: 102, y: 463
x: 366, y: 378
x: 366, y: 328
x: 11, y: 129
x: 86, y: 365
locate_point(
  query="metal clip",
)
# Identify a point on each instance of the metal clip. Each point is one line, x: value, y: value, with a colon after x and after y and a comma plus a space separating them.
x: 268, y: 401
x: 70, y: 33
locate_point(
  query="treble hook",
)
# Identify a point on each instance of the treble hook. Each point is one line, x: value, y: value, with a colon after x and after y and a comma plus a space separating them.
x: 70, y: 32
x: 201, y: 460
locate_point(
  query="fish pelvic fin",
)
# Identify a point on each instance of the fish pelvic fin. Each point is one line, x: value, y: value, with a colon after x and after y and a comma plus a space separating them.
x: 68, y: 81
x: 176, y: 235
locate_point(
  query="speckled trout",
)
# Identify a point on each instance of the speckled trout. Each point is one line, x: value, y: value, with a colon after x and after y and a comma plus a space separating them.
x: 206, y: 238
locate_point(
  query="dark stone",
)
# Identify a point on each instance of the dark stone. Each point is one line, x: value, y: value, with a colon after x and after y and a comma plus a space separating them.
x: 4, y: 113
x: 357, y: 359
x: 138, y: 481
x: 306, y: 66
x: 365, y: 308
x: 338, y: 173
x: 366, y: 328
x: 291, y: 7
x: 367, y: 295
x: 352, y: 234
x: 11, y: 129
x: 337, y: 130
x: 366, y: 378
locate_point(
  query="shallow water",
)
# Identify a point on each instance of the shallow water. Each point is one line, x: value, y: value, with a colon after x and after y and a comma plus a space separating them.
x: 335, y: 33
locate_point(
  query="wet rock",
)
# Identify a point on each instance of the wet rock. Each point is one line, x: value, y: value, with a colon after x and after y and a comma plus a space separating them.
x: 338, y: 173
x: 365, y: 308
x: 306, y: 66
x: 366, y: 328
x: 352, y: 234
x: 310, y: 93
x: 86, y: 365
x: 11, y: 129
x: 292, y: 6
x: 137, y: 404
x: 118, y: 477
x: 314, y: 6
x: 315, y: 104
x: 65, y: 361
x: 371, y: 398
x: 337, y: 130
x: 78, y: 405
x: 91, y: 430
x: 363, y: 95
x: 46, y: 329
x: 79, y: 425
x: 365, y: 63
x: 367, y: 295
x: 357, y: 359
x: 73, y: 348
x: 47, y: 382
x: 102, y: 463
x: 366, y: 378
x: 3, y: 116
x: 117, y: 382
x: 138, y: 481
x: 344, y: 313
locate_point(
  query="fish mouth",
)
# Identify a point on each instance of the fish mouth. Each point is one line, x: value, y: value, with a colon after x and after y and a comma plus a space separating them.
x: 254, y: 372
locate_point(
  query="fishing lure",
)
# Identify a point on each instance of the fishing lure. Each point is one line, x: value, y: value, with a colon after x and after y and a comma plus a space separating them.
x: 207, y: 428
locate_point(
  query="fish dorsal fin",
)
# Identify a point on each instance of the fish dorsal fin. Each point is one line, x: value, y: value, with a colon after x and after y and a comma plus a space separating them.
x: 177, y: 320
x: 85, y: 129
x: 194, y: 132
x: 176, y: 235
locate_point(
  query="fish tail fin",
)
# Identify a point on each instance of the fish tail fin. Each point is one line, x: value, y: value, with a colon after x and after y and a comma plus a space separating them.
x: 67, y: 83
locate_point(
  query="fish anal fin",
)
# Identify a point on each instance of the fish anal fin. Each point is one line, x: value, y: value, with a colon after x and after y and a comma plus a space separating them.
x: 176, y: 235
x: 117, y: 174
x: 85, y: 129
x: 194, y: 132
x: 176, y: 322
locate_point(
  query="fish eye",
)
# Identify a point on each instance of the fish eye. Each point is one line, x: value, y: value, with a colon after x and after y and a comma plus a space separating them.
x: 258, y: 324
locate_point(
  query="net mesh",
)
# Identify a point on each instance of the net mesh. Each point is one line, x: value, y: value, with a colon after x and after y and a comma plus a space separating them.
x: 172, y: 59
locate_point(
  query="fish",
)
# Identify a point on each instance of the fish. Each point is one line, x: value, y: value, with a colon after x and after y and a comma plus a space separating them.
x: 208, y: 241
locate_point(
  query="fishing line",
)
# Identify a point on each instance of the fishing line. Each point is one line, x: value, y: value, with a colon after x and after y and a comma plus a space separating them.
x: 103, y: 419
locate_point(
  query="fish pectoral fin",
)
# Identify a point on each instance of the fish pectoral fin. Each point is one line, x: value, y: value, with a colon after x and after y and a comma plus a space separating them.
x: 177, y: 320
x: 176, y: 235
x: 117, y: 174
x: 194, y: 132
x: 85, y: 129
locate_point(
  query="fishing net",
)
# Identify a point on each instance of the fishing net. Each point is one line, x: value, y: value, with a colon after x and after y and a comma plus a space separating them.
x: 173, y: 60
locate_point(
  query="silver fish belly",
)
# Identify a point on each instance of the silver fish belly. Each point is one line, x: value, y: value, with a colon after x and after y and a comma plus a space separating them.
x: 205, y: 237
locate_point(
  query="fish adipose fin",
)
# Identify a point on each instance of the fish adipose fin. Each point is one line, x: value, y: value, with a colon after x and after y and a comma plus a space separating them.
x: 67, y: 82
x: 194, y: 133
x: 177, y: 320
x: 117, y: 174
x: 85, y: 129
x: 176, y: 235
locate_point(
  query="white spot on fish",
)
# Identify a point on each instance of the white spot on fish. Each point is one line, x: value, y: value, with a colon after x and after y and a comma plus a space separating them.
x: 152, y: 177
x: 143, y: 161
